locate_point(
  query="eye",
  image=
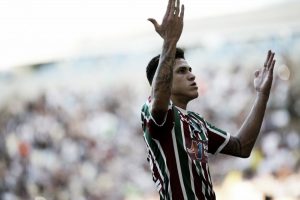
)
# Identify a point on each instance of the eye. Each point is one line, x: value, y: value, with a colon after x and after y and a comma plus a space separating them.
x: 181, y: 70
x: 184, y: 70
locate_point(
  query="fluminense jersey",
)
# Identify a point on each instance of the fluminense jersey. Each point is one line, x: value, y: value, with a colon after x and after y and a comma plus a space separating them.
x: 178, y: 153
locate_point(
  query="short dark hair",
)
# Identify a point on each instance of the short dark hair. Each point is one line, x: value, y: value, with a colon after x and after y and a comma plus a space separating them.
x: 153, y: 64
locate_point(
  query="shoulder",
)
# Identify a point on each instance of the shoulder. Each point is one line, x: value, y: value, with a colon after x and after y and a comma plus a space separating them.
x: 146, y: 113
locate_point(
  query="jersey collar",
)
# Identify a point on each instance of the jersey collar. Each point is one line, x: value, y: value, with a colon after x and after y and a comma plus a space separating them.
x: 183, y: 111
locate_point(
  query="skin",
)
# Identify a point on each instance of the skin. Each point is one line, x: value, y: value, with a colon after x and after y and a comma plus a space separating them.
x: 243, y: 143
x: 170, y: 30
x: 174, y: 80
x: 184, y: 87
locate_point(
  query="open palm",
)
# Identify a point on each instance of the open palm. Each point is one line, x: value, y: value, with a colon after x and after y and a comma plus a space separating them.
x: 264, y: 77
x: 172, y: 24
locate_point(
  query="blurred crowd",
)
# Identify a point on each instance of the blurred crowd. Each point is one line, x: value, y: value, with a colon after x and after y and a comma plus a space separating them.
x: 65, y: 145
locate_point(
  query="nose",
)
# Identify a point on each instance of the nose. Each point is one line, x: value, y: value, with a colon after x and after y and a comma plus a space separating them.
x: 191, y: 76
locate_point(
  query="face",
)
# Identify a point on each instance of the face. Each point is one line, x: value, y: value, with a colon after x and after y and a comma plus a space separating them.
x: 184, y: 85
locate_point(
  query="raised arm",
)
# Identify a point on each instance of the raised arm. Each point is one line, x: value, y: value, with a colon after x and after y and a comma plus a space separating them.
x: 170, y: 30
x: 242, y: 144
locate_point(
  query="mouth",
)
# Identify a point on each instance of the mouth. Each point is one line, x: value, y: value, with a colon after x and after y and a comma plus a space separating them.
x: 194, y: 85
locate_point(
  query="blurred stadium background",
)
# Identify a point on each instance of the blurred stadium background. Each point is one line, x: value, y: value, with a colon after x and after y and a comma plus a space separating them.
x: 72, y: 83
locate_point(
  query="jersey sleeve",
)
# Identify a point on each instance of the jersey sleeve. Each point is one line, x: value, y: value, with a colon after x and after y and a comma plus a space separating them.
x: 150, y: 126
x: 217, y: 138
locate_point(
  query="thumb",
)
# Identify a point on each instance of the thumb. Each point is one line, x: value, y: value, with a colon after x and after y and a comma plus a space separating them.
x: 154, y: 22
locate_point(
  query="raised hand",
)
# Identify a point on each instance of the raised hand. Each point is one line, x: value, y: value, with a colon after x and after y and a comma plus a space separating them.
x: 171, y: 27
x: 264, y: 77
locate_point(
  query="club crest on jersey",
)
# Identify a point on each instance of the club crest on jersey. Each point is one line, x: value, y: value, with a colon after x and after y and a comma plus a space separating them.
x: 198, y: 150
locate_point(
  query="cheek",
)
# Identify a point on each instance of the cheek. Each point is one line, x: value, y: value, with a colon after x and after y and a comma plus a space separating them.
x: 179, y: 79
x: 177, y: 85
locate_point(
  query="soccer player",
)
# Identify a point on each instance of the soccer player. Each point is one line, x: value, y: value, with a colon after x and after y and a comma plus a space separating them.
x: 178, y: 141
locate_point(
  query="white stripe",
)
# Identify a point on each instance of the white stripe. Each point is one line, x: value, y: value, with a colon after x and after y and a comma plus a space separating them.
x: 202, y: 171
x: 202, y: 126
x: 166, y: 168
x: 224, y: 144
x: 197, y: 169
x: 203, y: 191
x: 190, y: 161
x: 190, y: 165
x: 192, y: 178
x: 155, y: 161
x: 158, y: 185
x: 157, y: 124
x: 215, y: 131
x: 203, y: 176
x: 209, y: 191
x: 203, y: 186
x: 165, y: 117
x: 227, y: 136
x: 150, y: 117
x: 160, y: 149
x: 178, y: 164
x: 208, y: 174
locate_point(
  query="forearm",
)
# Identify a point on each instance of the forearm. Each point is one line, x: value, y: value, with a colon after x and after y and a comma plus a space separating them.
x: 250, y: 129
x: 162, y: 81
x: 170, y: 30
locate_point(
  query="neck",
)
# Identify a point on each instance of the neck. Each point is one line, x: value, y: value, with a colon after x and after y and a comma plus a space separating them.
x: 180, y: 102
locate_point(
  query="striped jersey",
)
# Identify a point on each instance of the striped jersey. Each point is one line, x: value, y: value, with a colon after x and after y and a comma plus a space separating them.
x: 178, y: 152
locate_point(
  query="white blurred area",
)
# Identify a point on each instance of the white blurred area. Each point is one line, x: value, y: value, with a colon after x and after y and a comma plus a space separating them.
x: 34, y: 31
x: 72, y: 82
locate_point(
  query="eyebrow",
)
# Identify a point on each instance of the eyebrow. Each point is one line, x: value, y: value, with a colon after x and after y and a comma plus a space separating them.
x: 184, y: 66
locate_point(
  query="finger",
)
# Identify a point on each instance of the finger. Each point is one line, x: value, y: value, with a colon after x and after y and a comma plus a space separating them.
x: 169, y: 8
x: 154, y: 22
x: 172, y: 9
x: 272, y: 67
x: 182, y: 11
x: 177, y: 10
x: 270, y: 60
x: 256, y: 73
x: 268, y: 56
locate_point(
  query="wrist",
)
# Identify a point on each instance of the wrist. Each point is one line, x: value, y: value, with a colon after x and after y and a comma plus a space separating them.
x: 170, y: 42
x: 262, y: 96
x: 169, y: 48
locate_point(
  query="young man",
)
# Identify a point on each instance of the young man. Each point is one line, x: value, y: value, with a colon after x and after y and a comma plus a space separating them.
x: 178, y: 141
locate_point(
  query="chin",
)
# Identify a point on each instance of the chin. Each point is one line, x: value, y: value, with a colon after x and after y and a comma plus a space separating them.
x: 194, y: 96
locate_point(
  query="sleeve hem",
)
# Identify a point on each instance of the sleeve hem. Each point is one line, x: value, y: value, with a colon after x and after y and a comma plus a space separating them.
x: 224, y: 144
x: 151, y: 117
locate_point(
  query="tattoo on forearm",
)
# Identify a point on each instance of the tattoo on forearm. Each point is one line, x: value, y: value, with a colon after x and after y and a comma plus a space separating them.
x: 163, y: 81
